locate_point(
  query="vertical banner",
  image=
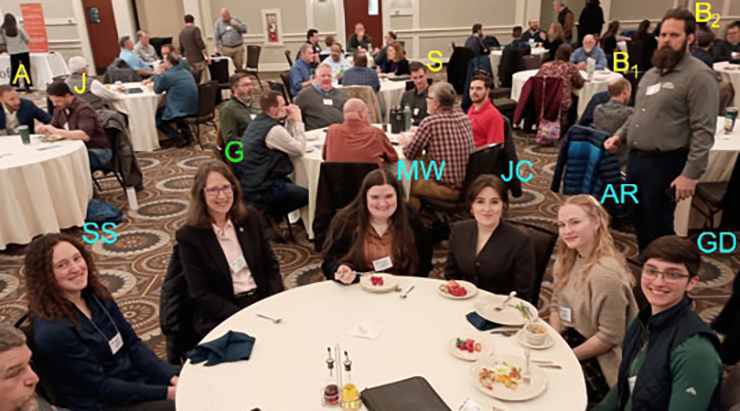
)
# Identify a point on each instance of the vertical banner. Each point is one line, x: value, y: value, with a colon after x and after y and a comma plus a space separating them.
x: 35, y: 26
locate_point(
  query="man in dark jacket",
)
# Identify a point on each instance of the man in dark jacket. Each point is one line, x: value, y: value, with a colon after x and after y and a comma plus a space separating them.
x: 728, y: 49
x: 591, y: 20
x: 18, y: 111
x: 565, y: 18
x: 475, y: 42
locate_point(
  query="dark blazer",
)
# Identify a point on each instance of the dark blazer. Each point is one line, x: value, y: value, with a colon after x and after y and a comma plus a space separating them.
x: 27, y: 112
x: 401, y: 70
x: 343, y: 244
x: 505, y: 264
x: 78, y: 361
x: 208, y: 275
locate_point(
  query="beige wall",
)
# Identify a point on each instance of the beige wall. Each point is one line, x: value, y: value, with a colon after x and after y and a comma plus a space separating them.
x: 161, y: 18
x: 463, y: 13
x: 638, y: 10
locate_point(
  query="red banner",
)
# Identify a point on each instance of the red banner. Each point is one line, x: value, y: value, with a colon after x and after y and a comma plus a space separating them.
x: 35, y: 26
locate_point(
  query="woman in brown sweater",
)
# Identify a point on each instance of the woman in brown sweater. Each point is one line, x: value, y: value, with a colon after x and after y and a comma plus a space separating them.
x: 593, y: 300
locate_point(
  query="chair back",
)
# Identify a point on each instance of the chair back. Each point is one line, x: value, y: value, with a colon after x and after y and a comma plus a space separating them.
x: 512, y: 61
x: 457, y: 68
x: 287, y: 56
x: 544, y: 242
x: 485, y: 160
x: 731, y: 201
x: 636, y: 268
x: 219, y: 70
x: 491, y: 41
x: 366, y: 94
x: 44, y: 387
x: 726, y: 93
x: 253, y: 57
x: 158, y: 42
x: 275, y: 86
x: 338, y: 185
x: 531, y: 62
x: 285, y: 77
x: 176, y: 311
x: 206, y: 101
x: 546, y: 93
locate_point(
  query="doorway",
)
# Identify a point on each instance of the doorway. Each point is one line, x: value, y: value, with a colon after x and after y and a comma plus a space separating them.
x: 367, y: 12
x: 102, y: 31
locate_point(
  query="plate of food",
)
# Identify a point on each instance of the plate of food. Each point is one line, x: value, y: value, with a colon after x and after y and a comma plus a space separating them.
x: 50, y: 138
x: 535, y: 336
x: 378, y: 282
x: 500, y: 376
x: 458, y: 290
x: 468, y: 348
x: 513, y: 312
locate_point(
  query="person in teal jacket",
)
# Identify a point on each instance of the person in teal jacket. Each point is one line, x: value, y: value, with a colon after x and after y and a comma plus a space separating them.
x: 181, y: 98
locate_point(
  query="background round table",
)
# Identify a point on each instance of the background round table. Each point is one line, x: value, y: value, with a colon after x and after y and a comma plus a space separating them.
x: 287, y: 368
x: 44, y: 67
x: 733, y: 72
x: 44, y: 187
x: 141, y: 109
x: 496, y: 55
x: 306, y: 172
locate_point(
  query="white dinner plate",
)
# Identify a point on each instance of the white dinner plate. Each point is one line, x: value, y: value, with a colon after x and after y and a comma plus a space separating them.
x: 549, y: 341
x: 486, y: 308
x: 486, y: 349
x: 522, y: 392
x: 469, y: 287
x: 389, y: 283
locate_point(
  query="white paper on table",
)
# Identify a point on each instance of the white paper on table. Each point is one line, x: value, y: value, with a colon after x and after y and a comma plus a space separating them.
x: 366, y: 329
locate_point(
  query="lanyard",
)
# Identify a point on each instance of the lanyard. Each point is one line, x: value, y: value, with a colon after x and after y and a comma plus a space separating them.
x: 109, y: 317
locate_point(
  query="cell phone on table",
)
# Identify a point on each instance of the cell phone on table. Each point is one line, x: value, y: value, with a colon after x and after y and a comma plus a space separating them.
x: 671, y: 193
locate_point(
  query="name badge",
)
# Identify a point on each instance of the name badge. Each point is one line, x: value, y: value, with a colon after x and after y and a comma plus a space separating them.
x: 328, y: 102
x: 632, y: 381
x: 116, y: 343
x: 228, y: 28
x: 382, y: 264
x: 654, y: 89
x: 237, y: 264
x: 416, y: 111
x: 668, y: 86
x: 565, y: 314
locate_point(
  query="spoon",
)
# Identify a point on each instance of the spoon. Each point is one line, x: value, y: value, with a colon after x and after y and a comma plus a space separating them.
x: 406, y: 294
x: 503, y: 304
x: 274, y: 320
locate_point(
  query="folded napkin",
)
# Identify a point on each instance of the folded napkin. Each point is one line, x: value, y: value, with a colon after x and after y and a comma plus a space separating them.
x: 481, y: 323
x: 366, y: 329
x: 233, y: 346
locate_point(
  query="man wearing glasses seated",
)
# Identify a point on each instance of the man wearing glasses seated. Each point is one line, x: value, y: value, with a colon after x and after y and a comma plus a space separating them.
x: 670, y: 358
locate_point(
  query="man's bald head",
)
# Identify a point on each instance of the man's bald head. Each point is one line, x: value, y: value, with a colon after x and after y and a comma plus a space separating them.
x: 225, y: 14
x: 589, y: 42
x: 355, y: 108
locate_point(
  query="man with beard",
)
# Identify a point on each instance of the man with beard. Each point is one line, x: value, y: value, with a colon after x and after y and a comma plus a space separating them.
x: 487, y: 123
x: 237, y: 113
x: 475, y: 42
x: 17, y: 379
x: 534, y: 32
x: 672, y: 129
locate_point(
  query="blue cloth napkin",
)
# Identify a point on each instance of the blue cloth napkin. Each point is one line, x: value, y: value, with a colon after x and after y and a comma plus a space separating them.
x: 233, y: 346
x: 481, y: 323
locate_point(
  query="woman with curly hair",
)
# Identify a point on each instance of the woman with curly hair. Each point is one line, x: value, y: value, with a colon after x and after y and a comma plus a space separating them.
x: 593, y: 301
x: 90, y: 352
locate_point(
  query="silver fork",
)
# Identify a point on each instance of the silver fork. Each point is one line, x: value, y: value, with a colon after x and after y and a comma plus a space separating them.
x: 527, y: 377
x: 274, y: 320
x: 406, y: 294
x: 503, y: 304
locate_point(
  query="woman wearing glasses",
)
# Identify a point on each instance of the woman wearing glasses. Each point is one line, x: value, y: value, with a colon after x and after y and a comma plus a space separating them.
x: 671, y: 359
x: 226, y: 258
x: 592, y: 300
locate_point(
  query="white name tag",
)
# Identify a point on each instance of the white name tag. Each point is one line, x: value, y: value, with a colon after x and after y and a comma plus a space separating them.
x: 382, y: 264
x: 668, y: 86
x: 632, y: 381
x: 565, y: 314
x: 237, y: 264
x: 228, y: 28
x: 416, y: 111
x: 328, y: 102
x: 654, y: 89
x: 116, y: 343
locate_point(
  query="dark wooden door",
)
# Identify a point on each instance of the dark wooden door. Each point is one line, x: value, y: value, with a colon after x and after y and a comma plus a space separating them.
x: 358, y: 11
x: 101, y: 28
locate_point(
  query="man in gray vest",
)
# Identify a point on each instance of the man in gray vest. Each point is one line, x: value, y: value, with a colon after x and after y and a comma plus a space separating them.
x: 265, y: 166
x: 90, y: 90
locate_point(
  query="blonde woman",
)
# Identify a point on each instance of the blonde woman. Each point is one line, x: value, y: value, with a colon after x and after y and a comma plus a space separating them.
x: 555, y: 38
x: 593, y: 299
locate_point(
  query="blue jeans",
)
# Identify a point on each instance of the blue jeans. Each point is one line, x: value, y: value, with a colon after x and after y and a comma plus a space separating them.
x: 167, y: 129
x: 99, y: 157
x: 280, y: 199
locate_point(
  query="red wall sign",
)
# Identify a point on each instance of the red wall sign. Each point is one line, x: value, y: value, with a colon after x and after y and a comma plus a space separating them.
x: 35, y: 26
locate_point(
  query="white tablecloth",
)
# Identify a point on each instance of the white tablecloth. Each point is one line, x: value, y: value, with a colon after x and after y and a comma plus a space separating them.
x: 497, y: 54
x: 286, y: 369
x: 44, y: 67
x: 389, y: 95
x: 306, y: 174
x: 600, y: 83
x: 141, y: 109
x: 722, y: 159
x: 733, y: 72
x: 41, y: 191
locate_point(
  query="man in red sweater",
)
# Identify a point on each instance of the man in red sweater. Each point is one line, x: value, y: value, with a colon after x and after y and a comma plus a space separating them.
x: 487, y: 122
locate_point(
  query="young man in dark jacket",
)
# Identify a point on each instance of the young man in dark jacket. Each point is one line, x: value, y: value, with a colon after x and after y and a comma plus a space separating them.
x: 18, y: 111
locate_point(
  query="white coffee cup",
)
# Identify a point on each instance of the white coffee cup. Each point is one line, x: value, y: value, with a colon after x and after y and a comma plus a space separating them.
x: 535, y: 338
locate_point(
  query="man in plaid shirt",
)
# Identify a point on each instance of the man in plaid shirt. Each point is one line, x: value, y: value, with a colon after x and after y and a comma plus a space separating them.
x: 360, y: 74
x: 444, y: 135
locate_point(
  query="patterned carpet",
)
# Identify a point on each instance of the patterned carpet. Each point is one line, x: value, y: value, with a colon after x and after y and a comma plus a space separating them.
x: 133, y: 267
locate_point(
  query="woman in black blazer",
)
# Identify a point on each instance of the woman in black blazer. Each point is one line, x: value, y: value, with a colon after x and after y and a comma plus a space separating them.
x: 487, y: 251
x: 376, y: 222
x: 396, y: 62
x: 226, y: 258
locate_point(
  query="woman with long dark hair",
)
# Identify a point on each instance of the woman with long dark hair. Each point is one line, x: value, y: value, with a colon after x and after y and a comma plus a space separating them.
x: 376, y: 226
x: 555, y: 38
x: 611, y: 40
x: 89, y: 351
x: 396, y: 62
x: 16, y: 41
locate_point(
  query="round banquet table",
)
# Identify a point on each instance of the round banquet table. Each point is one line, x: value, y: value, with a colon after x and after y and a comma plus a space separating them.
x: 600, y: 83
x: 141, y: 109
x: 497, y: 54
x: 44, y: 67
x: 44, y: 188
x: 722, y: 158
x: 733, y: 72
x: 306, y: 172
x: 389, y: 95
x: 287, y: 368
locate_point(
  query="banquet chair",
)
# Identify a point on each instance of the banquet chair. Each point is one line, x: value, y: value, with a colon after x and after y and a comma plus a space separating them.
x: 275, y: 86
x: 544, y: 242
x: 510, y: 155
x: 43, y: 387
x: 110, y: 167
x: 636, y: 268
x: 285, y: 77
x: 531, y: 62
x: 287, y: 56
x: 175, y: 312
x: 206, y: 106
x: 716, y: 196
x: 366, y: 94
x: 219, y: 70
x: 512, y: 61
x: 338, y: 185
x: 253, y: 62
x: 726, y: 93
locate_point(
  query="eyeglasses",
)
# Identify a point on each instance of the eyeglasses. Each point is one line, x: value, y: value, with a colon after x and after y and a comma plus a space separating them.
x: 668, y: 276
x: 213, y: 191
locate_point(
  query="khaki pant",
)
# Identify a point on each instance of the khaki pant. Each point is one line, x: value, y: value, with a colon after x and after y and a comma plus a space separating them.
x: 236, y: 54
x: 200, y: 71
x: 429, y: 188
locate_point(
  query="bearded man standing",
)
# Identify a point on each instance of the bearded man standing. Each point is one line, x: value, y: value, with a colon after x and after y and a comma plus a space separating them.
x: 672, y: 129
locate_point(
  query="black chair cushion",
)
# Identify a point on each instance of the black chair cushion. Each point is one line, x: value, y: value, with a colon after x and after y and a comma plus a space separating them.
x: 712, y: 192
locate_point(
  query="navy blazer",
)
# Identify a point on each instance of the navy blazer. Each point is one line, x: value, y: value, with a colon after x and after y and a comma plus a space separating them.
x: 27, y: 112
x: 79, y: 363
